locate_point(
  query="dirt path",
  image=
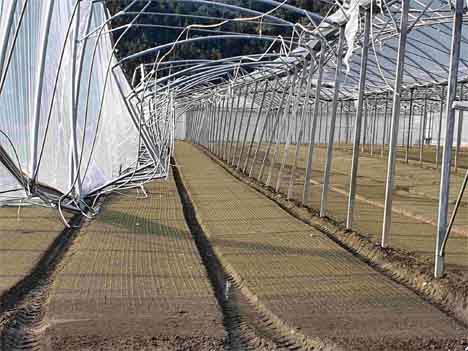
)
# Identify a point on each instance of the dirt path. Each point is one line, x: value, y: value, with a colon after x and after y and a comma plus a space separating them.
x: 302, y: 277
x: 134, y: 281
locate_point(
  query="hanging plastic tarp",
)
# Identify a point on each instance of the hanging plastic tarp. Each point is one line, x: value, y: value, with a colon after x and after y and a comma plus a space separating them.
x: 67, y: 129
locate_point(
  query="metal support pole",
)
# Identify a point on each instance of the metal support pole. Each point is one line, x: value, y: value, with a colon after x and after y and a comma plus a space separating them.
x: 265, y: 126
x: 301, y: 132
x: 214, y: 121
x: 459, y: 132
x: 227, y: 143
x: 449, y: 131
x: 387, y: 219
x: 320, y: 123
x: 455, y: 211
x: 331, y: 138
x: 439, y: 131
x: 308, y: 174
x: 293, y: 106
x: 340, y: 120
x: 252, y: 105
x: 327, y: 117
x: 364, y: 132
x: 430, y: 131
x: 211, y: 109
x: 207, y: 117
x: 220, y: 125
x: 286, y: 109
x: 4, y: 40
x: 412, y: 133
x: 459, y: 139
x: 241, y: 122
x: 224, y: 121
x: 348, y: 127
x: 423, y: 132
x: 192, y: 129
x: 257, y: 121
x: 373, y: 127
x: 357, y: 123
x: 225, y: 126
x: 273, y: 133
x: 404, y: 143
x: 38, y: 92
x: 233, y: 152
x: 219, y: 122
x: 136, y: 122
x: 74, y: 180
x: 196, y: 125
x: 207, y: 113
x: 201, y: 126
x: 189, y: 122
x: 213, y: 125
x: 196, y: 121
x: 410, y: 126
x: 384, y: 134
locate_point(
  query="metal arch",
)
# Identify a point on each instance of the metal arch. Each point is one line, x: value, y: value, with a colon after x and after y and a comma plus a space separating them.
x: 233, y: 7
x: 192, y: 40
x: 219, y: 70
x: 294, y: 9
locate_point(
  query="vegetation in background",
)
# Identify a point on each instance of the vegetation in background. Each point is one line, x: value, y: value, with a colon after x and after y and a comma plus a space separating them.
x: 169, y: 28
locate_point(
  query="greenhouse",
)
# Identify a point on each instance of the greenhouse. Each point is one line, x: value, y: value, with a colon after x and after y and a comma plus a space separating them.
x: 233, y: 175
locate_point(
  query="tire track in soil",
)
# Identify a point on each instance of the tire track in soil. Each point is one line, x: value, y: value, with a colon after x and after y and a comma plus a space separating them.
x: 247, y: 326
x: 25, y: 325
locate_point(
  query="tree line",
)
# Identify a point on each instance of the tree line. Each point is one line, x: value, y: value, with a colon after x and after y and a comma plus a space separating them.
x: 156, y: 28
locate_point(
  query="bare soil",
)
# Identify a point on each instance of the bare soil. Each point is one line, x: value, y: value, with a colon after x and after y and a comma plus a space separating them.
x: 414, y: 217
x: 134, y: 281
x: 304, y: 278
x: 137, y: 343
x: 249, y: 277
x: 25, y: 235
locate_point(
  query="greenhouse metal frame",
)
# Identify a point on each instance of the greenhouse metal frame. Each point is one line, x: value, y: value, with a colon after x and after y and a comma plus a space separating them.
x: 382, y: 77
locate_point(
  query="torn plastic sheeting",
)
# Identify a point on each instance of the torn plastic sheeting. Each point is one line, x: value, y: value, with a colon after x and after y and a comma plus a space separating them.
x: 350, y: 17
x: 107, y: 139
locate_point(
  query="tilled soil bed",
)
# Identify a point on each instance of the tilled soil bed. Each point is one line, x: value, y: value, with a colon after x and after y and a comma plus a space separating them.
x: 415, y: 201
x: 298, y: 274
x: 25, y: 235
x: 134, y: 280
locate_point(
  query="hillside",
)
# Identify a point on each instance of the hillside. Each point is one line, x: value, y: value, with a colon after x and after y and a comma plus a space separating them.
x: 164, y: 20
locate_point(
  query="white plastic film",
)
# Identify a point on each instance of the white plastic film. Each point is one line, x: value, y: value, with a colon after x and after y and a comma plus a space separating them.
x: 106, y: 139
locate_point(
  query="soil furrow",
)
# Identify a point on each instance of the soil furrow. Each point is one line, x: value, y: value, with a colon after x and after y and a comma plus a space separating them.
x: 406, y: 267
x: 249, y: 325
x: 309, y: 281
x: 135, y: 281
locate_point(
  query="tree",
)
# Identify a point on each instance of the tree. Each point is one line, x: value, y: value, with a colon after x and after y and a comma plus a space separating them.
x: 138, y: 39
